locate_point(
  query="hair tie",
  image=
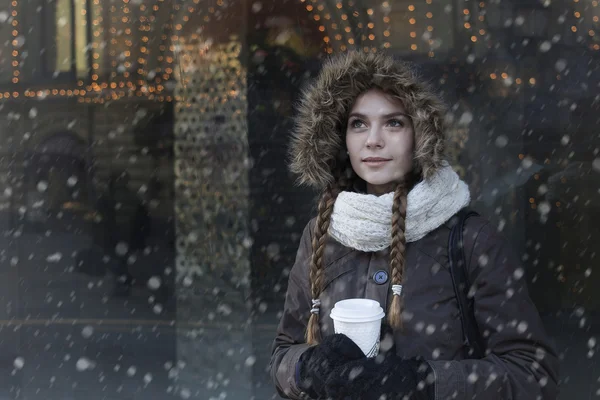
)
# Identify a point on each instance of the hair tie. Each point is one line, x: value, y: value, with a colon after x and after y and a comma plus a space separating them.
x: 316, y: 303
x: 397, y: 290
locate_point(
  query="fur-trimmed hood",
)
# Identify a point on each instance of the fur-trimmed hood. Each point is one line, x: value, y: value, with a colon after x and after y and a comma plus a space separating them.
x: 318, y: 140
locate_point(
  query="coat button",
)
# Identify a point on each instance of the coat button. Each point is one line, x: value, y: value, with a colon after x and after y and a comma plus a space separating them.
x: 380, y: 277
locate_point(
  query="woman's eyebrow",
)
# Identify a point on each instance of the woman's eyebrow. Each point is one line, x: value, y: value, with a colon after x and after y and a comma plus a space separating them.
x: 385, y: 116
x: 395, y: 114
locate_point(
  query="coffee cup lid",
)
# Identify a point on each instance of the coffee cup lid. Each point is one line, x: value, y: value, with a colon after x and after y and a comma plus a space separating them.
x: 357, y: 310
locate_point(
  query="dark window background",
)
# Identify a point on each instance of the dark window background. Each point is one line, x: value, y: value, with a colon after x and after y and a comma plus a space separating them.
x: 148, y: 221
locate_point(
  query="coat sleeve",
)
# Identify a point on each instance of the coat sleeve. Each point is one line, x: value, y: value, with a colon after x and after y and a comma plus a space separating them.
x: 521, y: 363
x: 289, y: 344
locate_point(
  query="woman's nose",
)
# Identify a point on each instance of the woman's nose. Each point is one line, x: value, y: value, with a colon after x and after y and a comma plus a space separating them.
x: 374, y: 139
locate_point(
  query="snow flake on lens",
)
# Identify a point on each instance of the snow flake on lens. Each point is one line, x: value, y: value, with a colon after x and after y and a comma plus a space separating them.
x: 131, y: 371
x: 54, y: 258
x: 87, y: 331
x: 560, y: 65
x: 520, y: 20
x: 430, y: 329
x: 522, y: 327
x: 42, y: 186
x: 527, y: 162
x: 596, y: 164
x: 122, y: 248
x: 84, y: 364
x: 518, y: 273
x: 543, y: 209
x: 185, y: 393
x: 472, y: 378
x: 19, y: 363
x: 154, y: 283
x: 250, y: 361
x: 545, y: 46
x: 72, y: 181
x: 483, y: 260
x: 501, y: 141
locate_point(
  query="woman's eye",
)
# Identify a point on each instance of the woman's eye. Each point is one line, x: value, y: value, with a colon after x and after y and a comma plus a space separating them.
x: 395, y: 123
x: 357, y: 124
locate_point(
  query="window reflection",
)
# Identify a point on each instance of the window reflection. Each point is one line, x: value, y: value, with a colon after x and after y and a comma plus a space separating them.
x: 143, y: 150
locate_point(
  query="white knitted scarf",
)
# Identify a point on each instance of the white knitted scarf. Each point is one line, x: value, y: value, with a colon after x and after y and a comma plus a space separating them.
x: 363, y: 221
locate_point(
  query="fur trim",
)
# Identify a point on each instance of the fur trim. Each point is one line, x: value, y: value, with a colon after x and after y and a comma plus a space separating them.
x: 318, y: 144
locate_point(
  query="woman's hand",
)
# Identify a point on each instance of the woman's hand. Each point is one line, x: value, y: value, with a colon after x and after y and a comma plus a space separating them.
x: 387, y: 374
x: 319, y: 361
x: 371, y: 379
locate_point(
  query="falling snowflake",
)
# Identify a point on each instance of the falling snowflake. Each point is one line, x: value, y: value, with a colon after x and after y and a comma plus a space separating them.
x: 501, y: 141
x: 87, y: 331
x: 122, y: 248
x: 84, y: 364
x: 472, y: 378
x: 561, y: 65
x: 545, y: 46
x: 42, y: 186
x: 54, y: 258
x: 185, y: 393
x: 522, y: 327
x: 250, y: 361
x: 154, y: 283
x: 596, y: 164
x: 19, y: 363
x: 72, y: 181
x: 518, y: 273
x: 256, y: 7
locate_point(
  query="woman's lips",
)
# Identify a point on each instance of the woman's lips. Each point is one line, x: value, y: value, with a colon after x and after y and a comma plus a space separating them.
x: 375, y: 162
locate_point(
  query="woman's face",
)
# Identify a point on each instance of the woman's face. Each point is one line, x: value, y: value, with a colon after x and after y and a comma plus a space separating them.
x: 380, y: 141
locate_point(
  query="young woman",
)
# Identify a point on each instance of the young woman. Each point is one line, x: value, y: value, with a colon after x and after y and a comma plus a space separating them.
x: 370, y: 135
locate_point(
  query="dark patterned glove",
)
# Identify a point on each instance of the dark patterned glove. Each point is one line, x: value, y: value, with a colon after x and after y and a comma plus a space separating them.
x: 319, y: 361
x: 387, y: 376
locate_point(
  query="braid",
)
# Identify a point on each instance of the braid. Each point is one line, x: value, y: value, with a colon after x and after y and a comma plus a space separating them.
x: 325, y: 209
x: 397, y: 251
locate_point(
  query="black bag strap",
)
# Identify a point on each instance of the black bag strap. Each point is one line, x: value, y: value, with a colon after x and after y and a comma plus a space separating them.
x: 475, y: 347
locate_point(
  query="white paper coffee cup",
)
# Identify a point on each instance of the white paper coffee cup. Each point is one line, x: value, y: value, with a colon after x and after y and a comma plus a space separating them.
x: 360, y: 320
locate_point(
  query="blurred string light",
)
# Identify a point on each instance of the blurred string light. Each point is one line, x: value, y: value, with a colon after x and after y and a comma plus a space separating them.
x: 144, y: 28
x: 412, y: 21
x: 121, y: 37
x: 97, y: 38
x: 387, y: 28
x: 125, y: 19
x: 16, y: 43
x: 577, y: 15
x: 336, y: 23
x: 595, y: 19
x: 429, y: 32
x: 481, y: 17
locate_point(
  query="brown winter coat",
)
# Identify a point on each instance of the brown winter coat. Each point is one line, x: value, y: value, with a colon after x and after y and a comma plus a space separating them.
x: 521, y: 363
